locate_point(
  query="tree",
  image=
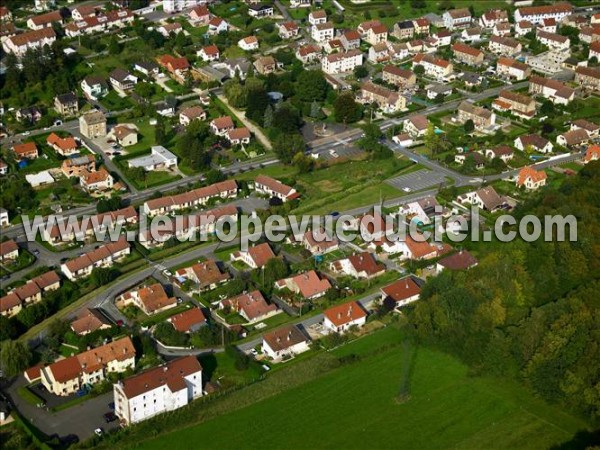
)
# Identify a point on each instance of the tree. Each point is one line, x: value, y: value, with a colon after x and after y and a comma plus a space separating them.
x: 433, y: 140
x: 268, y: 118
x: 469, y: 126
x: 287, y: 119
x: 15, y: 357
x: 345, y: 109
x: 103, y: 275
x: 304, y: 163
x: 315, y: 110
x: 160, y: 133
x: 311, y: 86
x: 419, y: 70
x: 257, y: 101
x: 361, y: 72
x: 275, y: 269
x: 547, y: 108
x: 114, y: 47
x: 145, y: 90
x: 286, y: 146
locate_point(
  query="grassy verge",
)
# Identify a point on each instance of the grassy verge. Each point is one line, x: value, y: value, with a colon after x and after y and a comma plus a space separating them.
x: 29, y: 396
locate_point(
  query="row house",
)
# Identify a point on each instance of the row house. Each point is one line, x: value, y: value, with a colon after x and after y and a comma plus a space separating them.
x: 588, y: 78
x: 523, y: 27
x: 30, y: 293
x: 158, y: 390
x: 518, y: 104
x: 590, y: 34
x: 191, y: 199
x: 482, y: 118
x: 504, y: 46
x: 342, y: 62
x: 555, y: 91
x: 511, y: 68
x: 387, y: 100
x: 185, y: 226
x: 104, y: 256
x: 436, y: 68
x: 44, y: 20
x: 266, y: 185
x: 493, y: 17
x: 9, y: 250
x: 536, y: 14
x: 404, y: 30
x: 20, y: 43
x: 594, y: 50
x: 100, y: 22
x: 592, y: 129
x: 467, y: 55
x: 457, y: 18
x: 554, y: 41
x: 379, y: 53
x: 403, y: 78
x: 68, y: 375
x: 376, y: 34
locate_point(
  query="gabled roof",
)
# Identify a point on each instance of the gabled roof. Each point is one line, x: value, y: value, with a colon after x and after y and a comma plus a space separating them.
x: 402, y: 289
x: 461, y: 260
x: 184, y: 321
x: 284, y: 337
x: 345, y: 313
x: 261, y: 254
x: 529, y: 172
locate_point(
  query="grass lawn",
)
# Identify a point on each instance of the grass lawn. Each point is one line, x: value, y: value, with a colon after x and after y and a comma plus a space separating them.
x: 30, y: 397
x: 221, y: 366
x: 113, y: 102
x: 156, y: 318
x: 355, y: 407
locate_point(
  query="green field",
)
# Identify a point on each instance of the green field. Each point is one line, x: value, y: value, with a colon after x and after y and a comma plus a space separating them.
x: 355, y: 406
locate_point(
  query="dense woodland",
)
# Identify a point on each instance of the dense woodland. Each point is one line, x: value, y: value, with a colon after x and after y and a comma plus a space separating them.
x: 529, y: 310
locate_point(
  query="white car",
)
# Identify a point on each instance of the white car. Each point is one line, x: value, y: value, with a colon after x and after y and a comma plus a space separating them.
x: 98, y: 431
x: 253, y: 352
x: 334, y: 153
x: 407, y: 189
x: 25, y: 133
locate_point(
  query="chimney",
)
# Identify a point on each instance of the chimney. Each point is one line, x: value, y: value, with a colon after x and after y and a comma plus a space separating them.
x: 350, y: 311
x: 289, y: 336
x: 165, y: 368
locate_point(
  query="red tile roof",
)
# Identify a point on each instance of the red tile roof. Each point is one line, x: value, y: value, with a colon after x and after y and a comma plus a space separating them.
x: 284, y: 337
x: 402, y: 289
x: 458, y: 261
x: 184, y: 321
x: 347, y: 312
x: 261, y: 254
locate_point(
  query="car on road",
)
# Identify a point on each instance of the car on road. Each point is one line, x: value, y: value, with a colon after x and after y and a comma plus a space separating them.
x: 407, y: 189
x: 333, y: 153
x: 110, y: 417
x: 25, y: 133
x: 36, y: 252
x: 99, y: 431
x: 167, y: 273
x: 120, y: 323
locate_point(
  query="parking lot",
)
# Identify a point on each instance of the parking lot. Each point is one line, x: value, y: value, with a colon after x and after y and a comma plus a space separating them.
x: 416, y: 181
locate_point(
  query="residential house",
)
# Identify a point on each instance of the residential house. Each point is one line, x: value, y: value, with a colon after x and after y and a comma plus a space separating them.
x: 159, y: 159
x: 222, y: 125
x: 252, y: 306
x: 342, y: 62
x: 478, y: 159
x: 486, y: 198
x: 255, y: 257
x: 573, y: 138
x: 531, y: 179
x: 26, y: 150
x: 535, y: 142
x: 284, y: 343
x: 404, y: 29
x: 550, y: 25
x: 482, y: 118
x: 493, y: 17
x: 471, y: 34
x: 554, y: 90
x: 342, y: 318
x: 288, y: 30
x: 421, y: 26
x: 518, y: 104
x: 350, y: 40
x: 502, y: 29
x: 122, y: 80
x: 207, y: 275
x: 260, y: 10
x: 9, y: 250
x: 379, y: 53
x: 148, y: 68
x: 98, y: 180
x: 4, y: 219
x: 209, y: 53
x: 403, y: 78
x: 92, y: 124
x: 30, y: 115
x: 266, y: 185
x: 89, y: 321
x: 416, y: 126
x: 66, y: 104
x: 35, y: 39
x: 75, y: 167
x: 94, y: 87
x: 502, y: 152
x: 68, y: 375
x: 308, y: 285
x: 63, y: 146
x: 588, y: 78
x: 592, y: 154
x: 376, y: 34
x: 504, y: 46
x: 125, y: 135
x: 374, y: 226
x: 400, y: 293
x: 249, y: 43
x: 457, y: 18
x: 191, y: 113
x: 104, y: 256
x: 216, y: 25
x: 524, y: 27
x: 46, y: 20
x: 29, y: 293
x: 511, y: 68
x: 466, y: 54
x: 188, y: 321
x: 5, y: 15
x: 199, y: 16
x: 317, y: 17
x: 536, y: 14
x: 266, y: 65
x: 300, y: 3
x: 318, y: 242
x: 308, y: 53
x: 158, y: 390
x: 322, y: 32
x: 238, y: 136
x: 592, y: 128
x: 554, y: 41
x: 387, y: 100
x: 167, y: 28
x: 362, y: 265
x: 436, y: 68
x: 150, y: 299
x: 461, y: 260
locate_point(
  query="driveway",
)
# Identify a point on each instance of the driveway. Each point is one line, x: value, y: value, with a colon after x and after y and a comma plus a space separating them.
x: 262, y: 138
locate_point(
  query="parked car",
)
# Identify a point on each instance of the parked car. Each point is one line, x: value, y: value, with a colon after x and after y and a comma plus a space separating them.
x: 99, y: 431
x: 110, y: 417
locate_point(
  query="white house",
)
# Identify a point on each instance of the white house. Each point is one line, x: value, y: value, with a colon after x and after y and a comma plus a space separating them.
x: 401, y: 292
x: 249, y: 43
x: 457, y: 18
x: 536, y: 14
x: 322, y: 32
x: 342, y: 317
x: 159, y: 158
x: 285, y: 342
x: 158, y: 390
x: 342, y: 62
